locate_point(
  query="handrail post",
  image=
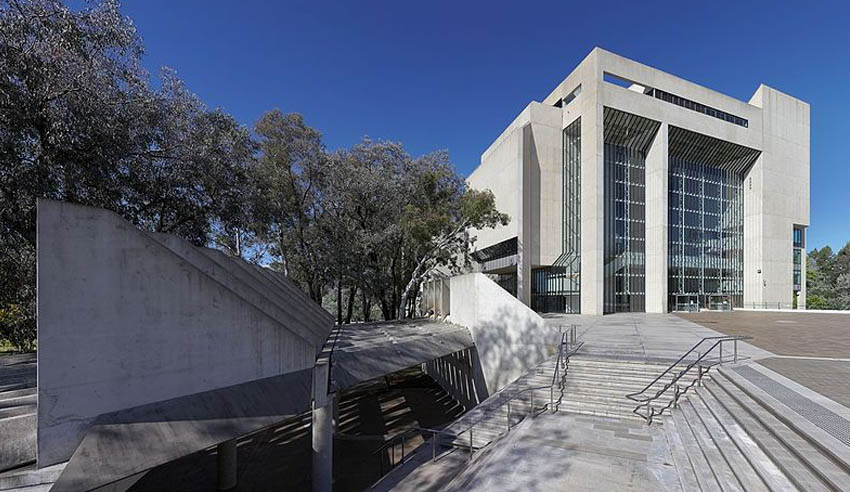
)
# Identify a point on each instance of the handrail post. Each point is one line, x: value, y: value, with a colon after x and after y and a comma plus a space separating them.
x: 433, y: 446
x: 735, y: 346
x: 531, y: 412
x: 676, y: 397
x: 509, y: 415
x: 721, y: 351
x: 402, y: 448
x: 470, y: 444
x: 552, y: 398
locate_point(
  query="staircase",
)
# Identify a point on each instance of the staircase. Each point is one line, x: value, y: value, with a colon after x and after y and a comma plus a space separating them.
x: 725, y: 437
x: 491, y: 419
x: 598, y: 386
x: 17, y: 410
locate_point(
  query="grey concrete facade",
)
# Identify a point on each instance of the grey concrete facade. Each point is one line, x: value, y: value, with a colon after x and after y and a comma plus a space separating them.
x: 145, y: 329
x: 523, y: 167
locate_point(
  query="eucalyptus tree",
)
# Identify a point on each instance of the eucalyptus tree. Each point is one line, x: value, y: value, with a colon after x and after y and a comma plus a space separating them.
x: 438, y: 214
x: 291, y: 175
x: 80, y: 122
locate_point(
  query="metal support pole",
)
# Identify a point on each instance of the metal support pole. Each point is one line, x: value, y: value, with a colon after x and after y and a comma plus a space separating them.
x: 721, y: 351
x: 735, y: 345
x: 470, y: 444
x: 509, y: 415
x: 402, y: 448
x: 433, y: 446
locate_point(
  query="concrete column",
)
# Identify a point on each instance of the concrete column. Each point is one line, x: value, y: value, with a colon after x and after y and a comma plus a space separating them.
x: 592, y: 203
x: 657, y: 227
x: 524, y: 221
x: 322, y: 427
x: 227, y: 475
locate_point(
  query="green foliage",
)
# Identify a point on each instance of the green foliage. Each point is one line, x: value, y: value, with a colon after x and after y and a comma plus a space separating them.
x: 81, y: 122
x: 828, y: 279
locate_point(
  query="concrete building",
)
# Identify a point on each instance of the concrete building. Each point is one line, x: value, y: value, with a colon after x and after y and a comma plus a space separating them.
x: 630, y: 189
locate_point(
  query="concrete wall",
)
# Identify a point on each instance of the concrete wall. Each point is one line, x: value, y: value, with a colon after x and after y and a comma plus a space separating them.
x: 509, y: 337
x: 524, y: 170
x: 776, y: 197
x: 123, y: 320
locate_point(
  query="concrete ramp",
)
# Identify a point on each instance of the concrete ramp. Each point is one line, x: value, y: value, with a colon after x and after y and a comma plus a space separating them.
x: 151, y: 348
x: 509, y: 336
x: 364, y: 351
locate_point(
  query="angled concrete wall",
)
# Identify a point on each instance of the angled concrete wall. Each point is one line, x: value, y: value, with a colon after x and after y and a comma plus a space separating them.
x: 509, y: 337
x: 127, y: 319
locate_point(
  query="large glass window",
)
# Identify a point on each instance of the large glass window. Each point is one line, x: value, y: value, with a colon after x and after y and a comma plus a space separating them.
x: 627, y: 139
x: 706, y: 234
x: 706, y: 220
x: 558, y: 288
x: 799, y: 244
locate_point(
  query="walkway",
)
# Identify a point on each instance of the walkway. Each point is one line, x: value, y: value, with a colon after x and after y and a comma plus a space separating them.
x: 638, y: 336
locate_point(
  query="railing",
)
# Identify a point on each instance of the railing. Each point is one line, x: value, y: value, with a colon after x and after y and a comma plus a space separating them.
x: 770, y: 305
x: 568, y: 345
x: 703, y: 362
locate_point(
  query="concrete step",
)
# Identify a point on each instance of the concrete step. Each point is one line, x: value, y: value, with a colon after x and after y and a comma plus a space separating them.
x: 29, y: 476
x: 748, y: 478
x: 826, y: 443
x: 15, y: 386
x: 16, y: 411
x: 17, y: 446
x: 687, y: 477
x: 799, y: 465
x: 17, y: 401
x: 601, y: 398
x: 614, y: 385
x: 633, y: 366
x: 703, y: 471
x: 637, y: 378
x: 761, y: 463
x: 18, y: 392
x: 597, y: 410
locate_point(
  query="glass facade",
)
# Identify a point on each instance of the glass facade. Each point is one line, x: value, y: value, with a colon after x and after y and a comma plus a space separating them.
x: 627, y: 138
x: 706, y: 235
x: 558, y: 288
x: 798, y: 255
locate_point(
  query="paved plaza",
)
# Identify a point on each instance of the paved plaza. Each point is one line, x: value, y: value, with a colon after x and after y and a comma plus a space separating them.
x: 812, y: 349
x: 638, y: 336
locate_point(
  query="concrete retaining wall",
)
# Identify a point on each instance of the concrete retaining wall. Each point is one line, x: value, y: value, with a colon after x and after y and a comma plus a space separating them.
x: 125, y: 320
x: 509, y: 336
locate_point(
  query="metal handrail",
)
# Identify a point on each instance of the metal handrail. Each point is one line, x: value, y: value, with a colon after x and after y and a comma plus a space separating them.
x: 567, y: 339
x: 703, y: 368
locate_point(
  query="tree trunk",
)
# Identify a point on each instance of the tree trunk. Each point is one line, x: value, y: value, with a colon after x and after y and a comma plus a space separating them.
x: 366, y: 304
x: 411, y: 285
x: 339, y: 301
x: 352, y: 292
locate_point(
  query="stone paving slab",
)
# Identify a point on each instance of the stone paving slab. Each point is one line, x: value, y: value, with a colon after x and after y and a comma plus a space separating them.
x: 564, y: 451
x: 827, y: 377
x: 644, y: 337
x: 793, y: 333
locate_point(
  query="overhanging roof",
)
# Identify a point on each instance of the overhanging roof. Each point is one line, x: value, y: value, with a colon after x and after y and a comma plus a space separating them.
x: 695, y: 147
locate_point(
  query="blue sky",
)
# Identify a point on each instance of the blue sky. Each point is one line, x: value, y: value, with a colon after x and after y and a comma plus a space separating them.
x: 452, y: 75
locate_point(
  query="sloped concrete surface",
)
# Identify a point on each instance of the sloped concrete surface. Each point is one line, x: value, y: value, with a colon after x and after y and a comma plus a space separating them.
x: 364, y: 351
x: 128, y: 442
